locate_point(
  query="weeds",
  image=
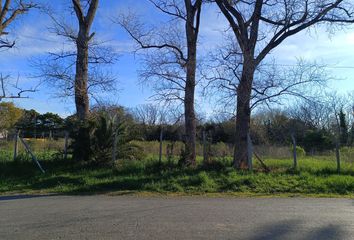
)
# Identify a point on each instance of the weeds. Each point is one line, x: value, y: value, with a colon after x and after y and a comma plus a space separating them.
x: 314, y: 176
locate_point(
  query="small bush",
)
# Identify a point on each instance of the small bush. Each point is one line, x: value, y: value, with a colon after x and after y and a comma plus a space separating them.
x: 300, y: 152
x: 94, y: 141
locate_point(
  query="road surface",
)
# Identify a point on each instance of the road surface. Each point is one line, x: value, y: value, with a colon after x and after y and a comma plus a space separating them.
x: 135, y: 217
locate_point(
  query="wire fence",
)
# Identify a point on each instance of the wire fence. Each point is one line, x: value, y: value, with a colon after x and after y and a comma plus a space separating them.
x: 45, y: 144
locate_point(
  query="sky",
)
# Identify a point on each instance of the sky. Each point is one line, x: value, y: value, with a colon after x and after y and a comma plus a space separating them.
x: 34, y: 40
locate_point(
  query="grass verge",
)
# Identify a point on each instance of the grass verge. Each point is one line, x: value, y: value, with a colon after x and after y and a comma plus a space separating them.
x: 315, y: 177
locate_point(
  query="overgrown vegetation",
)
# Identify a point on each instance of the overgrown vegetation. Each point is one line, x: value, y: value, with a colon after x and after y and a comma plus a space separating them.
x: 103, y: 139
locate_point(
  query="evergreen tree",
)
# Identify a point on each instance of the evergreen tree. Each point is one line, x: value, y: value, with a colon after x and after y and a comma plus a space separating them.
x: 343, y: 125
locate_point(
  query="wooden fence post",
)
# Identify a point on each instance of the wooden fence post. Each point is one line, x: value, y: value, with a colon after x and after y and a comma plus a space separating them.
x: 338, y: 156
x: 160, y: 150
x: 249, y: 152
x: 17, y: 134
x: 205, y: 157
x: 66, y: 145
x: 114, y: 150
x: 294, y: 151
x: 32, y: 155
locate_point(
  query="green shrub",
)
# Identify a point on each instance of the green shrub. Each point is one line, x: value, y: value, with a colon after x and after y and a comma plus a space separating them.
x: 300, y: 152
x: 81, y: 132
x: 347, y: 154
x: 93, y: 141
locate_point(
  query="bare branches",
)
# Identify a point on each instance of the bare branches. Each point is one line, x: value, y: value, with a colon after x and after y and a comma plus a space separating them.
x: 85, y: 59
x: 18, y: 91
x: 165, y: 56
x: 259, y: 26
x: 253, y: 21
x: 272, y: 84
x: 172, y: 58
x: 166, y: 37
x: 57, y: 70
x: 8, y: 13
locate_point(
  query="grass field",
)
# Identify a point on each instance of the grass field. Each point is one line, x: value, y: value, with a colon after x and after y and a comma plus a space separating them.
x: 315, y: 176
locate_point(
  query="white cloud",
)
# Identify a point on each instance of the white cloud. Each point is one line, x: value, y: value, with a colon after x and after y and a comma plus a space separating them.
x: 331, y: 49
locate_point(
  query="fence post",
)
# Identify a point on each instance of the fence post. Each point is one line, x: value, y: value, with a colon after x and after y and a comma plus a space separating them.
x: 66, y: 145
x: 294, y: 151
x: 249, y: 152
x: 17, y: 134
x: 204, y: 148
x: 32, y: 155
x: 338, y: 156
x: 160, y: 150
x: 114, y: 150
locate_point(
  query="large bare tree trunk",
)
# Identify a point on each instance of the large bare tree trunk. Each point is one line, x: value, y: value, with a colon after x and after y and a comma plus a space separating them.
x: 191, y: 18
x: 82, y: 45
x: 243, y: 116
x: 189, y: 113
x: 292, y: 17
x: 81, y: 151
x: 192, y: 29
x: 81, y: 77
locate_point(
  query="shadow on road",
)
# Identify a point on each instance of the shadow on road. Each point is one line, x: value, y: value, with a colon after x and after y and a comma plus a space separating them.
x: 285, y: 230
x: 17, y: 197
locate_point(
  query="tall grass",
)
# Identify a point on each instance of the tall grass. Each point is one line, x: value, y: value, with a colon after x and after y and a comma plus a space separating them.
x: 314, y: 176
x: 44, y: 149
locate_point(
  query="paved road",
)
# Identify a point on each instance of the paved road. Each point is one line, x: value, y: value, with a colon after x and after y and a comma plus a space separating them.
x: 132, y: 217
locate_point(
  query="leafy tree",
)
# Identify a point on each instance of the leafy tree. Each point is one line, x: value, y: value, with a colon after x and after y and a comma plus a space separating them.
x: 9, y: 115
x: 351, y: 135
x: 344, y: 131
x: 49, y: 121
x: 317, y: 140
x: 28, y: 119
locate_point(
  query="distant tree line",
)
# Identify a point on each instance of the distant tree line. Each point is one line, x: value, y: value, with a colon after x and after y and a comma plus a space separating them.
x: 144, y: 123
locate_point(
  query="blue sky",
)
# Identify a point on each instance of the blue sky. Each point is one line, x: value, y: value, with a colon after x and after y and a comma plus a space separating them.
x: 34, y: 41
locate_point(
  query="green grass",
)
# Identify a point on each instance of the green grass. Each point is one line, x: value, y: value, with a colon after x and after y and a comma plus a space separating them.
x: 315, y: 176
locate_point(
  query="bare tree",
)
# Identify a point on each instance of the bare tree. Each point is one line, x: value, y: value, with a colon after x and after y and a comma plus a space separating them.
x: 82, y: 44
x: 172, y: 58
x: 80, y: 68
x: 313, y: 113
x: 9, y: 12
x: 259, y: 26
x: 17, y: 91
x: 147, y: 114
x: 58, y: 71
x: 272, y: 84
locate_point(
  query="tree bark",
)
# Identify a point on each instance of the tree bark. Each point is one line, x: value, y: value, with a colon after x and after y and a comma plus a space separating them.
x: 189, y: 112
x: 81, y: 152
x: 81, y: 77
x: 243, y: 115
x: 82, y: 61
